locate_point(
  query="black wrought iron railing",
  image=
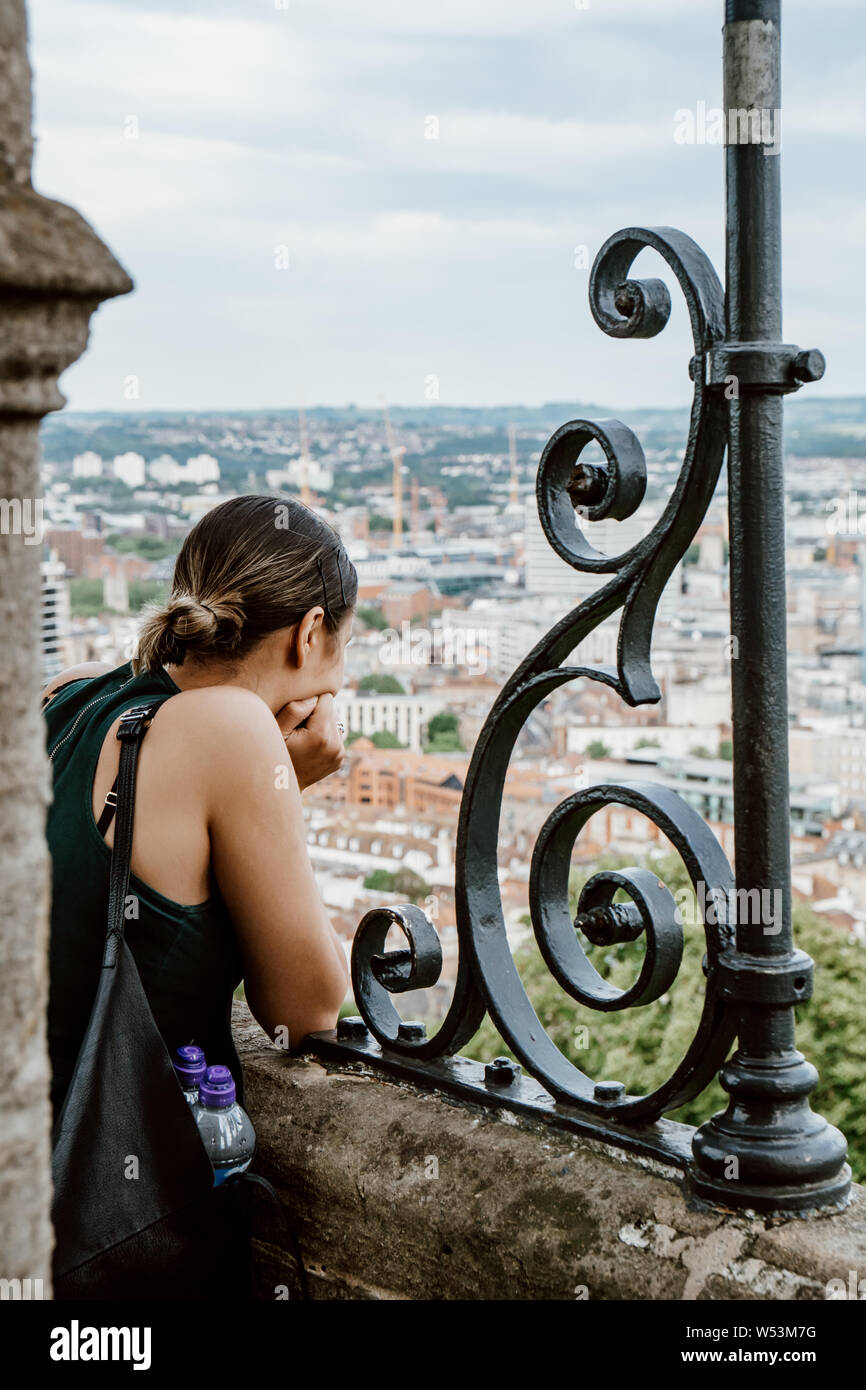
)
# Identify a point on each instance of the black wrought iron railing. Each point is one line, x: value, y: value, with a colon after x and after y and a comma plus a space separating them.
x: 768, y: 1150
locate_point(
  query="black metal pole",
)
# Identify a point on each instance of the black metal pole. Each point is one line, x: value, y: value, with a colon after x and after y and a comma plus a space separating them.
x: 768, y: 1149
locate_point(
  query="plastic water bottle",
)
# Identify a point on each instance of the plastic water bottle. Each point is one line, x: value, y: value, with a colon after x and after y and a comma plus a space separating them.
x: 225, y: 1127
x: 190, y: 1067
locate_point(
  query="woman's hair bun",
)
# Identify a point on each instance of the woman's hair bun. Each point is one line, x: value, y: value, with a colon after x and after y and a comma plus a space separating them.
x: 194, y: 620
x: 187, y: 624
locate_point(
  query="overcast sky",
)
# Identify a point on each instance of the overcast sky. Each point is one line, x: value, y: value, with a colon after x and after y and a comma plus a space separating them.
x: 304, y: 124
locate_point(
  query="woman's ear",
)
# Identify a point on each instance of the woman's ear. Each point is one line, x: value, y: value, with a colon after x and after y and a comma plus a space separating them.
x: 303, y: 635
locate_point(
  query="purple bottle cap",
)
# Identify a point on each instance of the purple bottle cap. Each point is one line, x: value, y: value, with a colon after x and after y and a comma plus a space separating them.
x: 218, y: 1088
x: 190, y: 1065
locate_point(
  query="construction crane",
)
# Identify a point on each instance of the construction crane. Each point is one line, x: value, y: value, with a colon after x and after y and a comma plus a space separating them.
x: 415, y: 512
x: 304, y: 459
x: 437, y: 497
x: 397, y: 452
x: 514, y: 497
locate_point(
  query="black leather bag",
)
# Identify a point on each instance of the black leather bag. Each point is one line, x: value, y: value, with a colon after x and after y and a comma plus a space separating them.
x: 135, y: 1212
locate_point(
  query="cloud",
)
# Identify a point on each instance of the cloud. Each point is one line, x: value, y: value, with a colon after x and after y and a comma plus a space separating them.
x: 261, y: 125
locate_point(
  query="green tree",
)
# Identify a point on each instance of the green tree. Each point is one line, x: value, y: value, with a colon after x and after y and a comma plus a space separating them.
x: 647, y: 743
x: 385, y: 739
x: 381, y: 683
x: 726, y: 750
x: 444, y: 723
x: 85, y: 598
x: 445, y: 743
x: 372, y: 618
x: 411, y: 885
x: 380, y: 881
x: 597, y: 749
x: 406, y: 882
x: 142, y: 591
x: 443, y: 734
x: 86, y: 601
x: 148, y: 547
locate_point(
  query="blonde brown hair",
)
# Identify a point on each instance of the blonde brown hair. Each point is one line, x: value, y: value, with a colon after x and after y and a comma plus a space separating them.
x: 248, y: 567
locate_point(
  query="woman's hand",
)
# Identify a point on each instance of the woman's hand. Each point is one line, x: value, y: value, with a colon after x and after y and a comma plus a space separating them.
x: 312, y: 737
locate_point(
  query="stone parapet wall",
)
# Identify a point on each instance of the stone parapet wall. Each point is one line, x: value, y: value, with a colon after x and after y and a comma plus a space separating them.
x: 390, y: 1192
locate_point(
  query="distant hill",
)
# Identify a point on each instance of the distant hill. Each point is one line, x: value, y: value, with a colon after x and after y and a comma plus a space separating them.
x: 816, y: 426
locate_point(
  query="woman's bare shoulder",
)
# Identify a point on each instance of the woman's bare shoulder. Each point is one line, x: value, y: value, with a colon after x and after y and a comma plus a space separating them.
x: 219, y: 738
x: 228, y: 719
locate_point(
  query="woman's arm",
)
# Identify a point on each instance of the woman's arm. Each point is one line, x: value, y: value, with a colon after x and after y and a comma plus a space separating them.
x: 295, y: 970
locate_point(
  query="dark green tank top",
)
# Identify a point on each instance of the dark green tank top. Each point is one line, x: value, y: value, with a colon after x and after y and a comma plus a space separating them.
x: 187, y: 957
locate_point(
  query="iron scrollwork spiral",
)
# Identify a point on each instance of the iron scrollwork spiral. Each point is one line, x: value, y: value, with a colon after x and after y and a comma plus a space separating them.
x: 487, y: 977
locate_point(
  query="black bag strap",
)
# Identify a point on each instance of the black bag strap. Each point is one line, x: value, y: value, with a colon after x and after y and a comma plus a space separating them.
x: 132, y: 729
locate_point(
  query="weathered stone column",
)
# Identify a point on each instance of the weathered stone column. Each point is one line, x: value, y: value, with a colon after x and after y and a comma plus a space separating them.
x: 54, y: 271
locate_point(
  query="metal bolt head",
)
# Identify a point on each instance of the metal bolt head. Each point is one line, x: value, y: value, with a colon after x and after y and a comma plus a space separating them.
x: 412, y: 1031
x: 353, y: 1027
x: 608, y: 1092
x: 627, y: 299
x: 810, y: 365
x: 587, y: 485
x: 502, y: 1072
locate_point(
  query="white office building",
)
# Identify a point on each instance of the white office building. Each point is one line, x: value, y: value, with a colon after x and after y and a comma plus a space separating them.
x: 405, y: 716
x: 202, y: 468
x: 294, y: 475
x: 165, y: 471
x: 130, y: 468
x: 87, y: 465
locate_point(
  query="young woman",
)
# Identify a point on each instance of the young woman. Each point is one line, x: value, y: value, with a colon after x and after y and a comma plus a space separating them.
x: 246, y: 658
